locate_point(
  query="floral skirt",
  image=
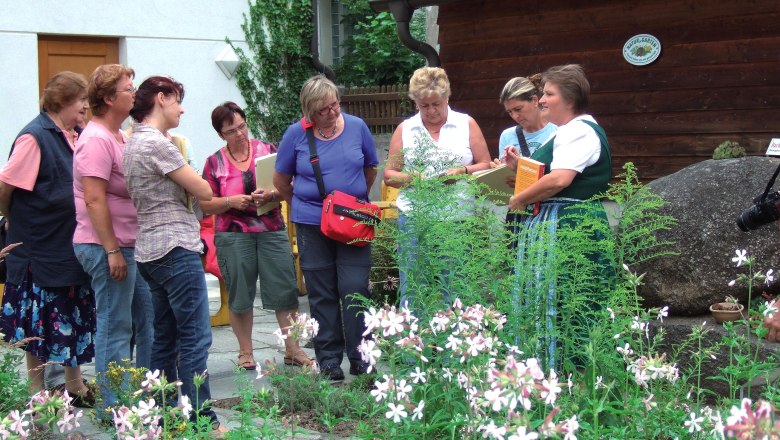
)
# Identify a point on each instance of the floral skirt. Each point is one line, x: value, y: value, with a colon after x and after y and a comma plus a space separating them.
x: 63, y: 317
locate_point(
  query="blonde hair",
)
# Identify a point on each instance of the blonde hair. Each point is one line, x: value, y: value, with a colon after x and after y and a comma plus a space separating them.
x: 429, y: 81
x: 103, y: 82
x: 572, y: 83
x: 522, y: 89
x: 62, y: 90
x: 314, y: 92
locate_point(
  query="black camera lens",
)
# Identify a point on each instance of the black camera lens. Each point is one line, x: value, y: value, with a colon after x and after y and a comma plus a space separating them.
x: 763, y: 212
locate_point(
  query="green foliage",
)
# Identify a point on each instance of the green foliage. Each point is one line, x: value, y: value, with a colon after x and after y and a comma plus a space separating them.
x: 373, y: 54
x: 269, y: 76
x: 13, y: 389
x: 728, y: 150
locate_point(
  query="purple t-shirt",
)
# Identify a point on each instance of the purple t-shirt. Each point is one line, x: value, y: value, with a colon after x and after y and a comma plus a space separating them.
x: 342, y: 161
x: 227, y: 180
x: 99, y: 154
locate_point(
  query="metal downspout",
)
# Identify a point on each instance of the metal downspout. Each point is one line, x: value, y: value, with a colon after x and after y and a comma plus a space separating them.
x: 315, y: 44
x: 402, y: 12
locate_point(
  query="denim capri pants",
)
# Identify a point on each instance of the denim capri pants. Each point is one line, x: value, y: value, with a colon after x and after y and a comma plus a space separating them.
x: 245, y: 256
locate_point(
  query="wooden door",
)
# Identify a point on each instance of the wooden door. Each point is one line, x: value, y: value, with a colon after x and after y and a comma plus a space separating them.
x: 77, y: 54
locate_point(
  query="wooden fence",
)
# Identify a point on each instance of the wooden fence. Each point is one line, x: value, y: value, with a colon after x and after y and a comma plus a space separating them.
x: 382, y: 107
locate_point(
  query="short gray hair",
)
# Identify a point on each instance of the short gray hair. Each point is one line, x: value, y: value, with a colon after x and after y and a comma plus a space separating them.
x: 314, y: 91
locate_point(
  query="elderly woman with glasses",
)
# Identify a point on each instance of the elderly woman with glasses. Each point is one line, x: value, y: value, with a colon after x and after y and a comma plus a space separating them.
x: 334, y: 271
x: 249, y: 245
x: 47, y: 293
x: 437, y: 141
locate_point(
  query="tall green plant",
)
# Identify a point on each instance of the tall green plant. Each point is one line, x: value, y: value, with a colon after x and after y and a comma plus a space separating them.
x: 278, y: 34
x: 373, y: 54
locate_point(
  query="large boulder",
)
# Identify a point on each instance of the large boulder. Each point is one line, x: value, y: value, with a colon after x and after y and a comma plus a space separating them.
x: 706, y: 199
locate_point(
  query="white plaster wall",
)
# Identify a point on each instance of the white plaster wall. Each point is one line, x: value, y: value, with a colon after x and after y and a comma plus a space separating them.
x: 173, y: 37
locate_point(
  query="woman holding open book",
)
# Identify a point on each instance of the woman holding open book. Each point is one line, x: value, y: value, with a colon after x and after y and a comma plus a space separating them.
x: 578, y: 166
x: 436, y: 142
x: 250, y: 243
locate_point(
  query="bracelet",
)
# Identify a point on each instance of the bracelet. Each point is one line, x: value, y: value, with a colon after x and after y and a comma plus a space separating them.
x: 113, y: 251
x: 227, y: 202
x: 466, y: 169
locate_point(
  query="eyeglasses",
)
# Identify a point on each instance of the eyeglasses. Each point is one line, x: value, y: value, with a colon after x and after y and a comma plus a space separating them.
x: 131, y: 90
x: 328, y: 108
x: 234, y: 131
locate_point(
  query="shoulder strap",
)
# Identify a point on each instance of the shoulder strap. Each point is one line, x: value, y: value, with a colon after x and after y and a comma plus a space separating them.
x: 599, y: 131
x: 524, y: 150
x: 314, y: 159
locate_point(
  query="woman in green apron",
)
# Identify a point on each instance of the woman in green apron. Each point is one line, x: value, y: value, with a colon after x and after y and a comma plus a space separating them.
x: 578, y: 166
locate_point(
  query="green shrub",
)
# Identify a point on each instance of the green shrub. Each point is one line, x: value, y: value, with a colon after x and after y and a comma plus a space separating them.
x: 728, y: 150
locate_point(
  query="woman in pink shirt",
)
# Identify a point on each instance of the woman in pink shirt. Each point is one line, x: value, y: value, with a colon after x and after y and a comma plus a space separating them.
x: 107, y: 225
x: 249, y: 245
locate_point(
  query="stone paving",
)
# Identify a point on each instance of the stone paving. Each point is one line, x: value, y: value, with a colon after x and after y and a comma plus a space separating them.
x: 222, y: 362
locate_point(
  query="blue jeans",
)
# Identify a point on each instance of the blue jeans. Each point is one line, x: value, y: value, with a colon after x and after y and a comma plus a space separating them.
x: 182, y: 325
x: 122, y: 306
x: 415, y: 252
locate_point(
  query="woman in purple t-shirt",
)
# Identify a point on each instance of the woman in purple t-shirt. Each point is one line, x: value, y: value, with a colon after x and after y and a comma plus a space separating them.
x: 249, y: 245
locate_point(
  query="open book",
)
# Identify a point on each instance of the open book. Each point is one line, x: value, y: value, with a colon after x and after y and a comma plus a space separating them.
x: 264, y: 172
x: 529, y: 171
x: 496, y: 188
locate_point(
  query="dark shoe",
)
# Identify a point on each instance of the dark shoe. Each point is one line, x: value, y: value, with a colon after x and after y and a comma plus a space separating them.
x: 358, y: 368
x: 333, y: 372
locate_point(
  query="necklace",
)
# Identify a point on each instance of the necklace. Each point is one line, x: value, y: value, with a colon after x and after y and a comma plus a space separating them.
x: 328, y: 136
x: 234, y: 157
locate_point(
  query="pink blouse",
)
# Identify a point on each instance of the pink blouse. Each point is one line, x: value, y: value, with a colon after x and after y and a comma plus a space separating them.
x: 226, y: 179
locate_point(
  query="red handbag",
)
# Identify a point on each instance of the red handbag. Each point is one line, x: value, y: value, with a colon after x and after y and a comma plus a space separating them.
x: 348, y: 219
x: 345, y: 218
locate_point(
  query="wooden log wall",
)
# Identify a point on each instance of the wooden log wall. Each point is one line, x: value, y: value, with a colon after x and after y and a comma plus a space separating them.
x: 718, y: 76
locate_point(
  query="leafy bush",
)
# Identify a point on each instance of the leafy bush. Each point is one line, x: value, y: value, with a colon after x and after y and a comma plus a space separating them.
x: 728, y: 150
x: 373, y: 54
x: 270, y: 76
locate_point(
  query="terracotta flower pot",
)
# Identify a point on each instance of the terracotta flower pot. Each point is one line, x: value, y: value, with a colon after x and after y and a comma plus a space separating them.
x: 726, y: 311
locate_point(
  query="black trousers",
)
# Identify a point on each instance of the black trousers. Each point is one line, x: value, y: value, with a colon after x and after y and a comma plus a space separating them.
x: 334, y: 272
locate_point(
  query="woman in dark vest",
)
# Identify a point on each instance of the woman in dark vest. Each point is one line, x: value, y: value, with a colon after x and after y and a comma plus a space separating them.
x: 578, y: 166
x: 47, y: 294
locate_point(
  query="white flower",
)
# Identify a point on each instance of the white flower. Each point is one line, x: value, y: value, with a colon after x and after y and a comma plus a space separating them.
x: 396, y: 412
x: 392, y: 323
x: 418, y: 376
x: 769, y: 276
x: 493, y: 431
x: 523, y: 434
x: 599, y: 382
x: 373, y: 319
x: 380, y: 388
x: 402, y: 389
x: 770, y: 309
x: 570, y: 426
x: 611, y: 313
x: 417, y: 413
x: 625, y: 267
x: 186, y: 406
x: 694, y: 424
x: 732, y: 282
x: 740, y: 258
x: 663, y: 313
x: 152, y: 379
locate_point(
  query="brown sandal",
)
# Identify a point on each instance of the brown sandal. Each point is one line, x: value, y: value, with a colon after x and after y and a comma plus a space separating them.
x: 247, y: 361
x: 298, y: 359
